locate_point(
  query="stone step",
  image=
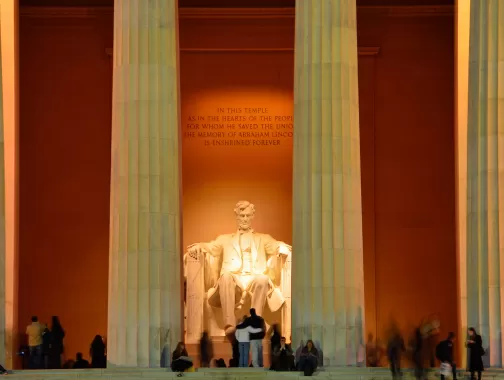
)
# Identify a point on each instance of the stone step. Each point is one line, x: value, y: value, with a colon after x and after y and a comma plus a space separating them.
x: 336, y: 373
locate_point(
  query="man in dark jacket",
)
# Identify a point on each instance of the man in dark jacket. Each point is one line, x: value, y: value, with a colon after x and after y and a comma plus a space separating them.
x: 256, y: 347
x: 444, y: 353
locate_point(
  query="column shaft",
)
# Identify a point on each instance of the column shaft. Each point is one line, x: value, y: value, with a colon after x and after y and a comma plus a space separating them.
x: 145, y: 310
x: 9, y: 179
x: 485, y: 175
x: 328, y: 280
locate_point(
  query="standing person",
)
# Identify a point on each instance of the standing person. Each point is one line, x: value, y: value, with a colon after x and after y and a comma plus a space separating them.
x: 256, y: 347
x: 56, y: 349
x: 34, y: 332
x: 444, y: 353
x: 46, y: 346
x: 206, y: 350
x: 97, y: 353
x: 242, y: 333
x: 476, y: 351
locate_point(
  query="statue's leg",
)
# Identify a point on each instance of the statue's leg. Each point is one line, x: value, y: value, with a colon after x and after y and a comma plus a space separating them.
x: 227, y: 292
x: 259, y: 288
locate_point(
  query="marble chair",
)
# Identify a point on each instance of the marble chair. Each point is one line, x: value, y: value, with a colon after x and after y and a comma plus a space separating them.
x: 202, y: 275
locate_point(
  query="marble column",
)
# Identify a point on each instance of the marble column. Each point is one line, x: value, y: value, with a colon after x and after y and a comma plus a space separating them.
x: 481, y: 181
x: 145, y: 318
x: 9, y: 179
x: 327, y: 280
x: 2, y: 218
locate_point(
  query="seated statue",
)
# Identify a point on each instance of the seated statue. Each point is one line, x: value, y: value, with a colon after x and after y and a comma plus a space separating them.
x: 248, y: 267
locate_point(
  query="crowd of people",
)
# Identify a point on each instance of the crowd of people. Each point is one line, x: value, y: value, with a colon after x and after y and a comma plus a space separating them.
x: 247, y: 346
x: 46, y: 348
x: 425, y: 348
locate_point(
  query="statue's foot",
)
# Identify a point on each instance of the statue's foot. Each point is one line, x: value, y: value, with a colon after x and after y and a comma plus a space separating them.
x: 230, y: 330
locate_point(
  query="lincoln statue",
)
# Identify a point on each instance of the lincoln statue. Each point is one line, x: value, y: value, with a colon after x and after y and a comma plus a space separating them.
x: 248, y: 261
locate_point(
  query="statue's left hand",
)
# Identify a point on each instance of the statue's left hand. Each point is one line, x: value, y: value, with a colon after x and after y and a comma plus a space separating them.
x: 284, y: 249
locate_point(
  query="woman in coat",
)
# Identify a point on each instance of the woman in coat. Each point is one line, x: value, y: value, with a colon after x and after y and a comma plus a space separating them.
x: 476, y: 351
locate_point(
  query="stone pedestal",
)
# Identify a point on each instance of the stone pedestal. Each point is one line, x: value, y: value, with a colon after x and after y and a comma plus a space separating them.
x: 481, y: 173
x: 145, y: 307
x: 327, y: 280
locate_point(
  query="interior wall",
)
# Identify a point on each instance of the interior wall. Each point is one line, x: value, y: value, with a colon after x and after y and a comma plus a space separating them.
x: 247, y: 95
x: 414, y: 197
x: 66, y: 89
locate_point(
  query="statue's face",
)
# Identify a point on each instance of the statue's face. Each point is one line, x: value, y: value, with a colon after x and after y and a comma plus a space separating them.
x: 244, y: 218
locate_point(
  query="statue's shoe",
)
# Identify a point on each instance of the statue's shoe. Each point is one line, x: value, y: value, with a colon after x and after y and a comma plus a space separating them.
x: 230, y: 330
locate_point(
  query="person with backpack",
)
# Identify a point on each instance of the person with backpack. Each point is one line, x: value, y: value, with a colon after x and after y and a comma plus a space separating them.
x: 444, y: 353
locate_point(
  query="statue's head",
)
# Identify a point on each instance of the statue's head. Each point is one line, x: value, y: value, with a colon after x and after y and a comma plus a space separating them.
x: 244, y: 211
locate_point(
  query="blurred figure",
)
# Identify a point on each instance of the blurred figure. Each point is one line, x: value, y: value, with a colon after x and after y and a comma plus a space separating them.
x: 68, y: 364
x: 444, y: 353
x: 34, y: 332
x: 476, y: 351
x: 418, y: 354
x: 275, y: 341
x: 97, y: 353
x: 56, y: 349
x: 283, y: 357
x: 430, y: 331
x: 395, y: 349
x: 80, y: 362
x: 373, y: 352
x: 308, y: 361
x: 206, y: 350
x: 235, y: 359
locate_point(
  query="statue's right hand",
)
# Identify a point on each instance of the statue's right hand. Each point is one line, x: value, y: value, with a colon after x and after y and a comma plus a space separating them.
x: 195, y: 251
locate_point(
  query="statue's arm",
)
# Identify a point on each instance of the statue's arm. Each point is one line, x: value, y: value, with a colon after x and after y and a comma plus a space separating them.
x: 275, y: 247
x: 213, y: 248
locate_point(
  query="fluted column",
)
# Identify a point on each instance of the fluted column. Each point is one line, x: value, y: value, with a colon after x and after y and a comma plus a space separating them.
x: 481, y: 181
x: 145, y: 313
x: 327, y: 281
x: 9, y: 179
x: 3, y: 310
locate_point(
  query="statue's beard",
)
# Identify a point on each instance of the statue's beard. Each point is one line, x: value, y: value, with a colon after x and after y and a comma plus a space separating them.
x: 244, y: 227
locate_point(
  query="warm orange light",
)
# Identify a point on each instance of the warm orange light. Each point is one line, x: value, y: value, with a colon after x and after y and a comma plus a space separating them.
x: 9, y: 41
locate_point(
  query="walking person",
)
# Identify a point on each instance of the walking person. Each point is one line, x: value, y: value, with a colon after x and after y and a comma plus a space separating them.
x: 242, y: 333
x: 418, y: 354
x: 395, y: 349
x: 206, y: 350
x: 476, y: 351
x: 256, y: 347
x: 444, y: 353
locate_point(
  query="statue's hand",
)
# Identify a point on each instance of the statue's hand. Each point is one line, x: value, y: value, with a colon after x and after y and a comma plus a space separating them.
x: 195, y: 251
x: 284, y: 249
